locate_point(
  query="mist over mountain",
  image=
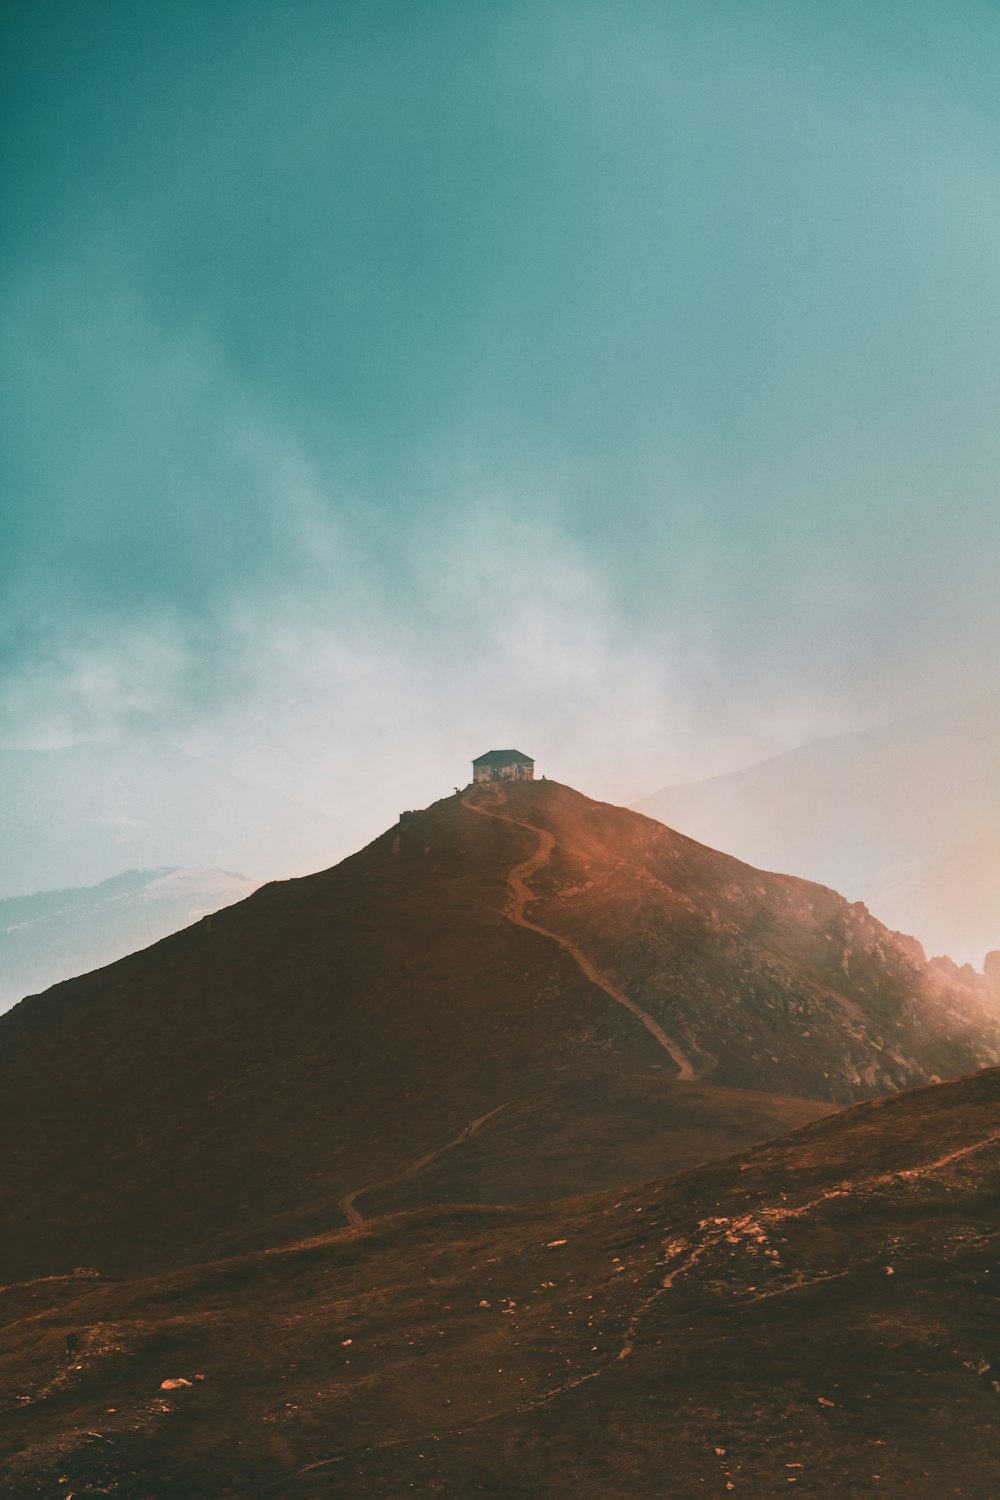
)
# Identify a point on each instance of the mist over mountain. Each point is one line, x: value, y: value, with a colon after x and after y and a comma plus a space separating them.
x: 54, y: 935
x: 905, y: 818
x: 515, y: 993
x: 83, y: 814
x: 389, y: 382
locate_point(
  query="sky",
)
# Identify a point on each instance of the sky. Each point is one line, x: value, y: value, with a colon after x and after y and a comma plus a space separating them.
x: 386, y: 382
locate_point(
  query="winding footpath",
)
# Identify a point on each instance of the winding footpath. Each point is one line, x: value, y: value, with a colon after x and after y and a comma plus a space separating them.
x: 348, y: 1204
x: 519, y: 900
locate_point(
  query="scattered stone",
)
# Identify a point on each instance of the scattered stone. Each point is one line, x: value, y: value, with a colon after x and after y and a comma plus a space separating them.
x: 824, y: 1402
x: 174, y: 1385
x: 553, y: 1243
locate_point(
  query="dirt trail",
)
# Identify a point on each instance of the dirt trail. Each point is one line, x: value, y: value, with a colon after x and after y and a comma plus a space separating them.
x: 347, y: 1203
x: 521, y: 897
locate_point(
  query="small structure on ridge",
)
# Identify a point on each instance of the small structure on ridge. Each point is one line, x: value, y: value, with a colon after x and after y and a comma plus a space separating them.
x: 503, y: 765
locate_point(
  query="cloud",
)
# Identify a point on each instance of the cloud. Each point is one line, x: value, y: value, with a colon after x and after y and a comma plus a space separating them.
x: 620, y: 381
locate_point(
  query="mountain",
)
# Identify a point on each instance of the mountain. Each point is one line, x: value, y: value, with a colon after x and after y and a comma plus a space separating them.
x: 81, y: 815
x: 905, y: 817
x: 513, y: 994
x: 817, y: 1317
x: 53, y: 935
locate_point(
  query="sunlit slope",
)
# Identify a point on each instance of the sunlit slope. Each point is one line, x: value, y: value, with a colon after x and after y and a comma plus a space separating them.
x: 766, y: 980
x: 428, y: 1020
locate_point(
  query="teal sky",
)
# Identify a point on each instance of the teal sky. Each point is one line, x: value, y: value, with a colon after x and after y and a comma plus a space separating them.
x: 385, y: 378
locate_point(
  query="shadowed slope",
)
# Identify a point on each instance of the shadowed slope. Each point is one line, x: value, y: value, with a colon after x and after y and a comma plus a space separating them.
x: 819, y: 1313
x: 311, y: 1044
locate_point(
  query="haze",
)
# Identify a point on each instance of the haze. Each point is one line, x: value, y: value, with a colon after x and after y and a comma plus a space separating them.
x: 385, y: 383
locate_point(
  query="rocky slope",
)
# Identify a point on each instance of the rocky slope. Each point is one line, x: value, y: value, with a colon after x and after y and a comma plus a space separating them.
x: 767, y: 981
x: 511, y: 994
x: 816, y: 1318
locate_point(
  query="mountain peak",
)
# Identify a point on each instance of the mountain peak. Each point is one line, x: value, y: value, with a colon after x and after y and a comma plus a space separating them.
x: 513, y: 966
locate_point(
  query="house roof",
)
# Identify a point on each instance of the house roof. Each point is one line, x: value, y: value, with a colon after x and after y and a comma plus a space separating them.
x: 503, y: 758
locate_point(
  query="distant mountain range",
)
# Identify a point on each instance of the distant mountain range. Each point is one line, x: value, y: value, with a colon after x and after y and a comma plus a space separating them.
x: 905, y: 818
x: 54, y: 935
x: 81, y: 815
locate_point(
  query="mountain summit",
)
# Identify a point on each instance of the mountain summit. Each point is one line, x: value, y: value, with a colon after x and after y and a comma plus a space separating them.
x: 515, y: 993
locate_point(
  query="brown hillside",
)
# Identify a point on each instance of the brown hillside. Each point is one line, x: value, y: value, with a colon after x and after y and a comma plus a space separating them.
x: 816, y: 1318
x: 765, y: 981
x: 505, y: 995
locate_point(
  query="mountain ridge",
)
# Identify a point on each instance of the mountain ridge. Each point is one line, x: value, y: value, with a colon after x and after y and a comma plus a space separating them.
x: 313, y: 1042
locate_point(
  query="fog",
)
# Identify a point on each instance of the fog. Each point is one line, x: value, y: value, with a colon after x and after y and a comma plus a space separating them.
x: 618, y: 383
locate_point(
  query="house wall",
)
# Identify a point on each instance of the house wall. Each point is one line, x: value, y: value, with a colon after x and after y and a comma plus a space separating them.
x: 503, y: 773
